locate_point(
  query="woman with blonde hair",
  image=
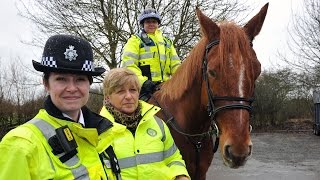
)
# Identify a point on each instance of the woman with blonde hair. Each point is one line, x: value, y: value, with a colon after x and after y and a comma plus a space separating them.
x: 142, y: 142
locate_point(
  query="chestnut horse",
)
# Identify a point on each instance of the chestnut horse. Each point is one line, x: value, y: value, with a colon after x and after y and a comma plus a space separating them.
x: 211, y: 93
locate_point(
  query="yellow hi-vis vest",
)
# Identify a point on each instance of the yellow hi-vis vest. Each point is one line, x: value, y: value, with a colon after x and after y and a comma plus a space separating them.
x: 156, y: 61
x: 149, y: 154
x: 33, y: 157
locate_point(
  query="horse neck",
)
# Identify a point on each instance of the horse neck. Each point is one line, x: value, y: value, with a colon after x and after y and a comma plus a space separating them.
x: 188, y: 110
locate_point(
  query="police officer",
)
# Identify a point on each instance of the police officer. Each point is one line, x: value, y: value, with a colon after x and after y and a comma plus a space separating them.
x: 62, y: 140
x: 150, y: 55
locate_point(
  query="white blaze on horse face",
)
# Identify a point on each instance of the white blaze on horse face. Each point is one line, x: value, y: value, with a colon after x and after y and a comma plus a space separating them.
x: 241, y: 75
x: 230, y: 60
x: 241, y: 79
x: 240, y: 85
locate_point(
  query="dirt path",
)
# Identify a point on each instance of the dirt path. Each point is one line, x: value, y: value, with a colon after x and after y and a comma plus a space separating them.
x: 276, y: 156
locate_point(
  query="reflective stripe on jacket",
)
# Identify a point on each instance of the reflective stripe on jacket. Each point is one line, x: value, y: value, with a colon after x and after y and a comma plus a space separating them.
x: 29, y: 155
x: 156, y: 61
x: 151, y: 153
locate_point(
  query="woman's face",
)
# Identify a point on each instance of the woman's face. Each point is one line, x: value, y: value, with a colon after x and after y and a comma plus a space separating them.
x: 69, y: 92
x: 125, y: 99
x: 150, y: 25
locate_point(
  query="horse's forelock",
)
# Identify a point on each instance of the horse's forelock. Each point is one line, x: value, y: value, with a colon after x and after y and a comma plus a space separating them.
x: 234, y: 41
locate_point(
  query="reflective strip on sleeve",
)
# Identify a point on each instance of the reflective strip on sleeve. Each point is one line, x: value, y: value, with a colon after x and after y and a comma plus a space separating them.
x: 169, y: 152
x: 48, y: 131
x: 127, y: 63
x: 131, y: 55
x: 175, y: 66
x: 175, y: 57
x: 178, y: 163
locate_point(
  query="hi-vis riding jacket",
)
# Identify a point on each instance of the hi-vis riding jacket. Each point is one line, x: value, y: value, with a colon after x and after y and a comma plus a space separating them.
x: 149, y: 154
x: 27, y: 154
x: 155, y: 60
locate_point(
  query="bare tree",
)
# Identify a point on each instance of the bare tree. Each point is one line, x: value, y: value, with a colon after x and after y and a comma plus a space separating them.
x: 305, y: 43
x: 18, y: 86
x: 18, y: 92
x: 107, y: 24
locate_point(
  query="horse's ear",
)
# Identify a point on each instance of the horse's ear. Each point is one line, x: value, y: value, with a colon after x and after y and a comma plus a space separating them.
x: 209, y: 28
x: 254, y: 26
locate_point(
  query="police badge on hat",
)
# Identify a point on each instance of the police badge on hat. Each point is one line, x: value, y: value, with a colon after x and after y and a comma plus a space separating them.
x: 70, y: 53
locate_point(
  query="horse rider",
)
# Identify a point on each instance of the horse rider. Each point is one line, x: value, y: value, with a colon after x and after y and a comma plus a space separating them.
x: 149, y: 54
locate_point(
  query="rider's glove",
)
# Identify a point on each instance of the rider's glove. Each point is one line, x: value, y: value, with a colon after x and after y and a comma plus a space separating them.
x: 148, y: 87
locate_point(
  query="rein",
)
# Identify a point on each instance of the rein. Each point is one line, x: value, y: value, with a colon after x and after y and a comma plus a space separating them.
x: 175, y: 126
x: 198, y: 144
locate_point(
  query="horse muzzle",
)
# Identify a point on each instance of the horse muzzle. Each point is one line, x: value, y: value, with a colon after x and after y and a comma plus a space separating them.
x: 234, y: 157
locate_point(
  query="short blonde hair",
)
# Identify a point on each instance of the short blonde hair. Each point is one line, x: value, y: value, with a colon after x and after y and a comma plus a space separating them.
x: 117, y: 78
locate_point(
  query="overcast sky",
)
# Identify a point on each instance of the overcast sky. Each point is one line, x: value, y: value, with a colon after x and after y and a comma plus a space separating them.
x: 272, y: 38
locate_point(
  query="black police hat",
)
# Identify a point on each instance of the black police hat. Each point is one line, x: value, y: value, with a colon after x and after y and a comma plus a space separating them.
x: 70, y: 54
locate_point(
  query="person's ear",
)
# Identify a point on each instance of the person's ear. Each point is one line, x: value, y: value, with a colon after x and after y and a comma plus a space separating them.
x: 107, y: 100
x: 45, y: 84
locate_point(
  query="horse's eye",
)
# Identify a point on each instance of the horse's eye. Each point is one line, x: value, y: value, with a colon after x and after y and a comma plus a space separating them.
x: 212, y: 73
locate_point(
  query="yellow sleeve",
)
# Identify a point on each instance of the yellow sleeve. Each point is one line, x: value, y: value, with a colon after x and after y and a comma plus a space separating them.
x: 23, y: 156
x: 130, y: 57
x: 174, y: 58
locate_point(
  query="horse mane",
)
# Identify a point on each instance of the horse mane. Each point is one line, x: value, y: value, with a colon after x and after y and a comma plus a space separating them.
x: 186, y: 74
x: 233, y: 40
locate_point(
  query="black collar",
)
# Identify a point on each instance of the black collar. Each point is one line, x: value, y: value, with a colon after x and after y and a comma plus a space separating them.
x: 91, y: 119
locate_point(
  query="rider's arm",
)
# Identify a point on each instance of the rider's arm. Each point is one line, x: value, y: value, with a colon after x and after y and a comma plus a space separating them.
x: 130, y: 57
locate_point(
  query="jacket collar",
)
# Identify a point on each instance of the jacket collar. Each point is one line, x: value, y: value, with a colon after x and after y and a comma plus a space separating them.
x: 91, y: 119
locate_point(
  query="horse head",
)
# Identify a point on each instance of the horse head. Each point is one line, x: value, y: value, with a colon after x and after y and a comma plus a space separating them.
x: 229, y: 70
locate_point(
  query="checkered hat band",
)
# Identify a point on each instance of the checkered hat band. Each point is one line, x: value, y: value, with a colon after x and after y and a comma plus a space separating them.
x: 49, y: 61
x: 88, y: 66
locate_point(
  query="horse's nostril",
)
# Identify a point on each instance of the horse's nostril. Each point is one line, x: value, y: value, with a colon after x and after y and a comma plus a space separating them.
x: 250, y: 150
x: 230, y: 155
x: 227, y: 151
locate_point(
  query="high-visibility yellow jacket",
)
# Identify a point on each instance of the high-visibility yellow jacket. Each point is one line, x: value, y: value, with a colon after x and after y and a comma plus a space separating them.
x: 149, y: 154
x: 156, y: 61
x: 26, y: 153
